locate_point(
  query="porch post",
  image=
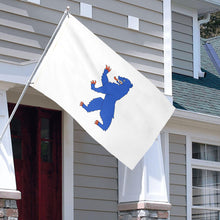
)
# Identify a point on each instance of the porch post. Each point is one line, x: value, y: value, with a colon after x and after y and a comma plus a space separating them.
x: 8, y: 192
x: 143, y: 191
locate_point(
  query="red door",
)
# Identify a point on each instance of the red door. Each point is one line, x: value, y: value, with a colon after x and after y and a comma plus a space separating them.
x: 36, y: 142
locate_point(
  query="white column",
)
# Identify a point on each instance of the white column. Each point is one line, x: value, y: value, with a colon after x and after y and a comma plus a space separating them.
x: 7, y: 180
x: 67, y: 166
x: 147, y: 181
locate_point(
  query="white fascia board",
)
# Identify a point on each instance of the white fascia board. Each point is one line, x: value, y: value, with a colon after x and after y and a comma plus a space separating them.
x: 216, y: 2
x: 182, y: 9
x: 202, y: 6
x: 16, y: 73
x: 195, y: 116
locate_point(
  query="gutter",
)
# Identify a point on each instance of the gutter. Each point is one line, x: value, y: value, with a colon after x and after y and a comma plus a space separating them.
x: 195, y: 116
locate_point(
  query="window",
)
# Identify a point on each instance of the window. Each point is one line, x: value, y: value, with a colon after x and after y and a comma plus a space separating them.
x: 205, y: 181
x: 46, y: 140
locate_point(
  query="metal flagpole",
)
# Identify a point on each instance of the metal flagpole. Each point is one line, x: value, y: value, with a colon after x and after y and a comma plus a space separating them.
x: 66, y: 12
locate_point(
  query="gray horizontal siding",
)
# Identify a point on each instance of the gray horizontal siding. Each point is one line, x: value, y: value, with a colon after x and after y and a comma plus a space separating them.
x: 85, y: 214
x: 177, y: 157
x: 28, y: 27
x: 150, y: 4
x: 95, y: 179
x: 95, y: 205
x: 182, y: 33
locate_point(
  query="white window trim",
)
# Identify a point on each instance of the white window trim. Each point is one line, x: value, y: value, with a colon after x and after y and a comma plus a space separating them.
x: 189, y: 176
x: 196, y: 36
x: 200, y: 164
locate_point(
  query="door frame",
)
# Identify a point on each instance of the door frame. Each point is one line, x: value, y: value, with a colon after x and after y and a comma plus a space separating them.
x: 67, y: 166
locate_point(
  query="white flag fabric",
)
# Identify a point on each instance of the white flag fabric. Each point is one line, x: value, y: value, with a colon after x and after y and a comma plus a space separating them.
x: 119, y: 107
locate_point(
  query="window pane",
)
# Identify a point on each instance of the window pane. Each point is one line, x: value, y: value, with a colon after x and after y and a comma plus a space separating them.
x: 45, y: 128
x: 199, y: 186
x: 46, y: 151
x: 206, y: 190
x: 213, y: 152
x: 199, y: 178
x: 198, y: 151
x: 17, y: 149
x: 199, y: 214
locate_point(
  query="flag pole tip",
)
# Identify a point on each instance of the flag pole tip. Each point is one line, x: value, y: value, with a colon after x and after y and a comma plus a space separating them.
x: 68, y: 10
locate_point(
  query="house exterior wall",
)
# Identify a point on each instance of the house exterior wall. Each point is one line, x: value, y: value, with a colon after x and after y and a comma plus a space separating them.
x: 26, y: 29
x: 182, y: 33
x: 177, y: 156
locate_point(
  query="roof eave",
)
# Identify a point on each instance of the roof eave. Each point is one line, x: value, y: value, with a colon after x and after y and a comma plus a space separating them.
x: 196, y: 116
x: 202, y: 6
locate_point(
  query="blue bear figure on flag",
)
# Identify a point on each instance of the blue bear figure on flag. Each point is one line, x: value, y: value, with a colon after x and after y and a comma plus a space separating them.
x: 113, y: 92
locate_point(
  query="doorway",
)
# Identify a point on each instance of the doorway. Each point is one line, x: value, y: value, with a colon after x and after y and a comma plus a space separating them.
x: 36, y: 143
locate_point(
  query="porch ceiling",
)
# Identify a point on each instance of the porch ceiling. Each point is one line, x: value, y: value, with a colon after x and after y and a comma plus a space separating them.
x: 203, y: 6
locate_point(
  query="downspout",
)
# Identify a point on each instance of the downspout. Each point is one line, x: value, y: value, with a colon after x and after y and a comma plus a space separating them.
x: 205, y: 20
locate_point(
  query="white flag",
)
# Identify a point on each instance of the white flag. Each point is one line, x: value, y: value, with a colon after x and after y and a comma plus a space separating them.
x: 119, y: 107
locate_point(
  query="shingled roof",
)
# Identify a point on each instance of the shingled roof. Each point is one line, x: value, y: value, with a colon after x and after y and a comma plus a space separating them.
x: 200, y: 95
